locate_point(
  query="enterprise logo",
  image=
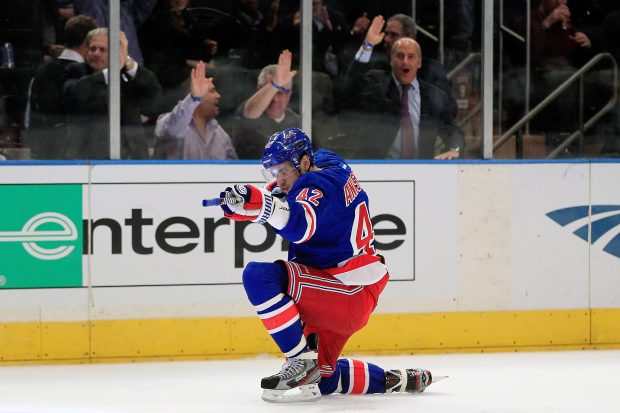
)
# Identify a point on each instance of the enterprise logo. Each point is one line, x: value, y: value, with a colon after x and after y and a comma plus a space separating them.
x: 604, y: 221
x: 30, y: 236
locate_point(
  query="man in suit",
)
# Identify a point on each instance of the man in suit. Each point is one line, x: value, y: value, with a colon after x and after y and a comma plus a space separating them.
x: 133, y: 14
x: 86, y: 97
x: 397, y: 27
x: 47, y: 133
x: 399, y: 115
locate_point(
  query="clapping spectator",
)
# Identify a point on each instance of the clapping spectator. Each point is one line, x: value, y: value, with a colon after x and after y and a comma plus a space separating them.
x: 86, y: 98
x: 133, y: 14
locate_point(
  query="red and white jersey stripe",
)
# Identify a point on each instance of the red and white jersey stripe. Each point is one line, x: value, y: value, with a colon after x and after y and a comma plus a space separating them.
x: 310, y: 216
x: 363, y: 269
x: 301, y: 277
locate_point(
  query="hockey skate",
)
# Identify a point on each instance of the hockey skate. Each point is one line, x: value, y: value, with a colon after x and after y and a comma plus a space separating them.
x: 297, y: 381
x: 412, y: 381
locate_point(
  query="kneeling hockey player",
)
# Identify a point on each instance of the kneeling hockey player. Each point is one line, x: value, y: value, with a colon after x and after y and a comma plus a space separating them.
x: 332, y: 280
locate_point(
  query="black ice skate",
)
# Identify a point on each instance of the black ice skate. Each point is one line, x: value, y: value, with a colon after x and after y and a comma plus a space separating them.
x: 297, y: 381
x: 414, y: 381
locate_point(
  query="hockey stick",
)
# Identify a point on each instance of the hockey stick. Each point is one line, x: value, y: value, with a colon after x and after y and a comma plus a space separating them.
x: 229, y: 199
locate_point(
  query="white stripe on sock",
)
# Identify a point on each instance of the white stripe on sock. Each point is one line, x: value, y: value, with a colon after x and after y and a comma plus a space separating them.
x: 298, y: 348
x: 269, y: 303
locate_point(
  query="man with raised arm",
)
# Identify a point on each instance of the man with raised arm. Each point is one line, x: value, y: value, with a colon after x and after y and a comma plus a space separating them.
x: 190, y: 130
x: 267, y: 110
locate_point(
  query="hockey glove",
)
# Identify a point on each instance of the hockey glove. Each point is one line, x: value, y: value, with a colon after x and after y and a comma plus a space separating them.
x: 233, y: 207
x: 256, y: 205
x: 253, y: 204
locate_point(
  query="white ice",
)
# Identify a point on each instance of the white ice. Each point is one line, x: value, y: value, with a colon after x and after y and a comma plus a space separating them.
x: 532, y: 382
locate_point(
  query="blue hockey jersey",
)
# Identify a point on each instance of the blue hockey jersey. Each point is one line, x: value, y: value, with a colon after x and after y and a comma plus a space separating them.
x: 329, y: 224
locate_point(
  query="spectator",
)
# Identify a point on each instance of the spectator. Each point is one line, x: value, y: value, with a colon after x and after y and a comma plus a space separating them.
x: 461, y: 29
x: 30, y: 26
x: 86, y: 97
x: 47, y: 134
x: 133, y: 14
x: 598, y: 25
x: 358, y: 8
x: 554, y: 56
x: 259, y: 32
x: 360, y: 25
x: 249, y: 13
x: 172, y: 41
x: 397, y: 27
x: 558, y: 50
x: 190, y: 131
x: 266, y: 111
x: 330, y: 34
x: 409, y: 112
x: 553, y: 46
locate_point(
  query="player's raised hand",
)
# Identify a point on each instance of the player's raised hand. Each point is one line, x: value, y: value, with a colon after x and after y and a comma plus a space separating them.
x: 199, y: 84
x: 284, y: 74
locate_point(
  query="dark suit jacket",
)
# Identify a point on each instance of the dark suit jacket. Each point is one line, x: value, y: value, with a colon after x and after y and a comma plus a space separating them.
x: 47, y: 134
x: 375, y: 105
x: 432, y: 71
x: 86, y: 99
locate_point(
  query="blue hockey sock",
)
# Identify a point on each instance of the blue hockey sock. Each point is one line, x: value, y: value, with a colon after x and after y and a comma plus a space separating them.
x: 354, y: 377
x: 265, y: 285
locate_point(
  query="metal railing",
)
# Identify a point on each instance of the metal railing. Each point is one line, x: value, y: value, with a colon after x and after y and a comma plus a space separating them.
x: 578, y: 75
x: 471, y: 58
x: 465, y: 62
x: 439, y: 38
x: 525, y: 38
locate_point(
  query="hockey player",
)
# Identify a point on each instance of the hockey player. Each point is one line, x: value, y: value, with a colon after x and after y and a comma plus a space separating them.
x: 333, y: 277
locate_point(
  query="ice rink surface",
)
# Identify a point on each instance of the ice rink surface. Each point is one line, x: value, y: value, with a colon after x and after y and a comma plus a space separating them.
x: 532, y: 382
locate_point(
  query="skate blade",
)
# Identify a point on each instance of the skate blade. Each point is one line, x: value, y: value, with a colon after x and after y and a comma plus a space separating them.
x: 305, y: 393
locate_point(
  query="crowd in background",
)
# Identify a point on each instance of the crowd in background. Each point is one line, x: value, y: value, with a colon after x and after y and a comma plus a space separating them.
x: 212, y: 79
